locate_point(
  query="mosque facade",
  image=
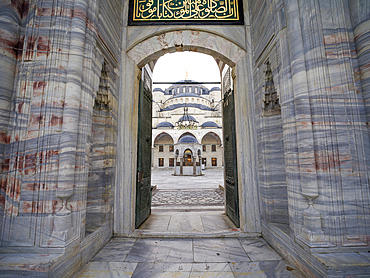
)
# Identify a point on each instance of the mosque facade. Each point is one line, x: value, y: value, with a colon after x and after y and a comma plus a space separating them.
x: 75, y: 119
x: 187, y: 127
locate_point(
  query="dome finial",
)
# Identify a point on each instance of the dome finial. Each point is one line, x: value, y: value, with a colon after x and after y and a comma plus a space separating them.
x: 186, y: 75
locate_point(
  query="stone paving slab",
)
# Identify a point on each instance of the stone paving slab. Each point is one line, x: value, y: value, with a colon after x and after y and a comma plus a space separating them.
x: 186, y: 222
x: 219, y: 257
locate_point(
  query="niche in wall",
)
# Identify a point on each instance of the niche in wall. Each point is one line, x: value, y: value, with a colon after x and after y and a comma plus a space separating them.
x: 101, y: 163
x: 273, y: 185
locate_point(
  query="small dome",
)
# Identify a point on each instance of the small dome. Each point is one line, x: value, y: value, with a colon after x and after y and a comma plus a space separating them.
x: 210, y: 124
x: 158, y: 90
x: 165, y: 124
x: 187, y: 118
x: 188, y: 139
x: 215, y: 89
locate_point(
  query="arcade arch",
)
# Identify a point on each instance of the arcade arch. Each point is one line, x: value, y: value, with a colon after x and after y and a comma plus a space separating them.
x: 212, y: 152
x: 163, y: 150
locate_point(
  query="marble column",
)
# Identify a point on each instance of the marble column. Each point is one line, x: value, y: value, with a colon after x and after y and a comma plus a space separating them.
x: 194, y: 166
x: 175, y: 159
x: 200, y: 164
x: 181, y: 166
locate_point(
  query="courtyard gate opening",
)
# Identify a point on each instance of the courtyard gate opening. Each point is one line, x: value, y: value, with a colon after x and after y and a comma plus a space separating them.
x: 144, y: 153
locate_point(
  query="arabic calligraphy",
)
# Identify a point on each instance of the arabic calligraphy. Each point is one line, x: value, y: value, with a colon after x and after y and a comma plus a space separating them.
x: 145, y: 10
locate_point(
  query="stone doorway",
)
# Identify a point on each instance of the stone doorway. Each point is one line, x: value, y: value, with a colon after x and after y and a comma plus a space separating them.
x: 189, y: 93
x: 189, y: 198
x: 145, y: 52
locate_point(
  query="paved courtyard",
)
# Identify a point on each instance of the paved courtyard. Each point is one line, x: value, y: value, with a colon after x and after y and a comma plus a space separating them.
x: 205, y: 197
x: 187, y: 193
x: 164, y: 179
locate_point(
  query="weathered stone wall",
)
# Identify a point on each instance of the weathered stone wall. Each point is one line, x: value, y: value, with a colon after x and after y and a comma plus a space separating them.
x: 10, y: 22
x: 52, y: 55
x: 360, y: 19
x: 319, y: 73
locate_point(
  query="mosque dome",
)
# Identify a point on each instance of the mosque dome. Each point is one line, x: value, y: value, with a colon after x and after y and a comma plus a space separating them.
x: 188, y: 139
x: 187, y: 94
x: 210, y: 124
x: 158, y: 90
x: 165, y: 124
x: 187, y: 118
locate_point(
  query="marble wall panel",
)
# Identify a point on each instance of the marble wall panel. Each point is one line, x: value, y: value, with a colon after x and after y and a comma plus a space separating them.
x: 44, y: 173
x: 110, y: 13
x: 271, y: 154
x: 10, y: 19
x: 338, y: 115
x: 325, y: 115
x: 261, y: 12
x: 102, y: 152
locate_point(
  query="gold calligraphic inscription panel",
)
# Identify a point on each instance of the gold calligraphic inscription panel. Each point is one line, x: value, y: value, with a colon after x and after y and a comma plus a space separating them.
x: 185, y: 12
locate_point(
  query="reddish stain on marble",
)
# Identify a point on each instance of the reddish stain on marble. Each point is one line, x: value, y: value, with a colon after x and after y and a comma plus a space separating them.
x: 4, y: 182
x: 58, y: 103
x: 43, y: 46
x: 45, y: 156
x: 13, y: 189
x: 330, y: 161
x: 161, y: 39
x: 29, y: 186
x: 5, y: 165
x: 56, y: 121
x: 38, y: 88
x: 26, y: 206
x: 19, y: 162
x: 2, y: 137
x: 30, y: 47
x: 20, y: 105
x: 30, y: 162
x: 81, y: 13
x: 44, y: 11
x: 9, y: 43
x: 36, y: 121
x: 2, y: 200
x: 18, y: 5
x: 19, y: 48
x: 25, y: 8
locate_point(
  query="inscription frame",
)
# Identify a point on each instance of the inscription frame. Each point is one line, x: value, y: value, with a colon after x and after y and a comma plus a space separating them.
x: 206, y: 21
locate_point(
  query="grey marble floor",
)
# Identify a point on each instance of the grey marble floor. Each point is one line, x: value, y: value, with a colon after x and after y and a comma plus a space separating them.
x: 197, y: 257
x: 187, y: 222
x: 190, y: 254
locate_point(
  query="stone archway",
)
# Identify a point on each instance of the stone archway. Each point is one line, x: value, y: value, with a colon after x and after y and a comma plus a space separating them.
x: 147, y: 50
x: 186, y: 40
